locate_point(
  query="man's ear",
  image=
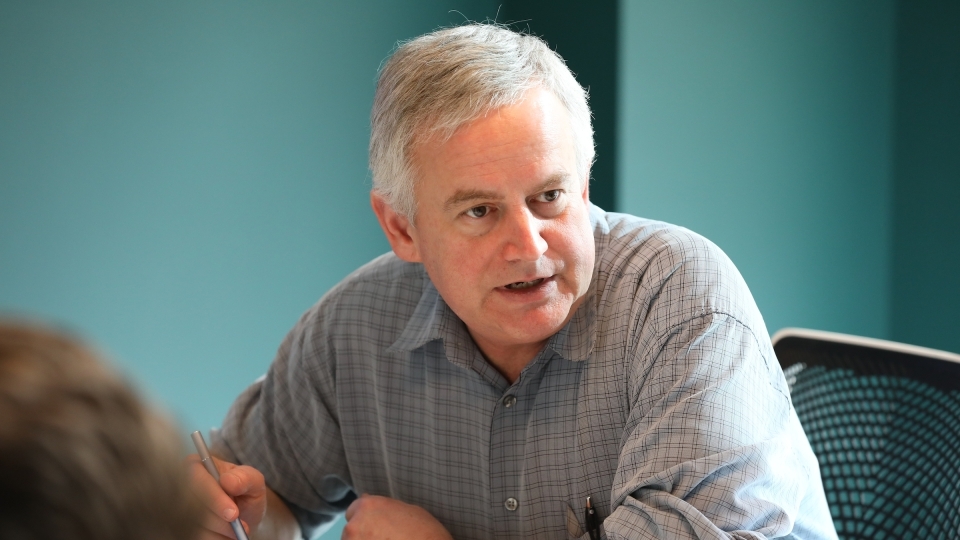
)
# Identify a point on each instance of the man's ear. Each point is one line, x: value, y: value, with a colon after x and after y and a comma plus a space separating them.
x: 586, y: 188
x: 398, y: 229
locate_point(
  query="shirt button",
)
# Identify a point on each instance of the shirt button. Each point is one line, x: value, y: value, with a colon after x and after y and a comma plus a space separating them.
x: 509, y: 401
x: 511, y: 504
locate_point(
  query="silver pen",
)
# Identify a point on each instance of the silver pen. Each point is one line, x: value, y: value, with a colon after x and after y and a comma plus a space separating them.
x: 212, y: 469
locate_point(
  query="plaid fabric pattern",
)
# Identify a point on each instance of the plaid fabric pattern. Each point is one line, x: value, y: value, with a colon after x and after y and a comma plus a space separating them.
x: 661, y: 399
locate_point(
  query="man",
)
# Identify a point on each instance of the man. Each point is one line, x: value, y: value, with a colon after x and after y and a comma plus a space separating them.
x: 520, y: 350
x: 81, y: 458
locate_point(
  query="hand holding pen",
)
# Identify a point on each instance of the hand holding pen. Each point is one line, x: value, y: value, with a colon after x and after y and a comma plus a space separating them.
x: 239, y: 492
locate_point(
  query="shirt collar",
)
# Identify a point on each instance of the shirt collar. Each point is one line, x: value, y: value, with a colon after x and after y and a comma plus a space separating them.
x: 425, y: 323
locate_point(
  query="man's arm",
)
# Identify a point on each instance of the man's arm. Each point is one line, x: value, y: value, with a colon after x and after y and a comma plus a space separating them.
x: 285, y: 425
x: 712, y: 447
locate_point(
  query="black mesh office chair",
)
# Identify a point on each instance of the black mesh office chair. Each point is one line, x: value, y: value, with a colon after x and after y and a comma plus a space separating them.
x: 884, y: 421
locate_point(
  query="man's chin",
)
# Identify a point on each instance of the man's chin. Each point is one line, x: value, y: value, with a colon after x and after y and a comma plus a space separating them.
x: 536, y: 325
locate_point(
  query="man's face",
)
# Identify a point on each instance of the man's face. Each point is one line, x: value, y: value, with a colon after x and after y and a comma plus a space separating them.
x: 502, y: 225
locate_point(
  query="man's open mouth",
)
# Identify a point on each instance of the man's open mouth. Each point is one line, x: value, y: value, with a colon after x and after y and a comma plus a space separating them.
x: 524, y: 284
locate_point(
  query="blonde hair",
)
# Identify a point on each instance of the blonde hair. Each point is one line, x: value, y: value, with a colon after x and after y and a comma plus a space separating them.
x: 442, y: 80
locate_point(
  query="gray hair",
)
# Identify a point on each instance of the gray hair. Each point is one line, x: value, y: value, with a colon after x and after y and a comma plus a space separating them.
x: 444, y: 79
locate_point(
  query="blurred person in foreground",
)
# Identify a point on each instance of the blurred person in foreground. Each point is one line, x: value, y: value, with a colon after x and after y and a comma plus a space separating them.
x: 81, y: 456
x: 520, y: 349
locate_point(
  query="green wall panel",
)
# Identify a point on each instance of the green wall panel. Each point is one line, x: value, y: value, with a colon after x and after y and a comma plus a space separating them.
x: 926, y: 262
x: 767, y: 127
x: 586, y: 37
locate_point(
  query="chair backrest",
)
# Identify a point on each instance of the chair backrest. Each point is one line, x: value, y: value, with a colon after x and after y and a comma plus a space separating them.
x: 883, y: 419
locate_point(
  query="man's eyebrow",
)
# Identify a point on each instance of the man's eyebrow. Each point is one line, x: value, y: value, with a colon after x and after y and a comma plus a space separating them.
x: 552, y: 181
x: 468, y: 195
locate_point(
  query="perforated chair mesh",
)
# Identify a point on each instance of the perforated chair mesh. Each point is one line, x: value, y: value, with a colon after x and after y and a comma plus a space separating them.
x: 885, y: 428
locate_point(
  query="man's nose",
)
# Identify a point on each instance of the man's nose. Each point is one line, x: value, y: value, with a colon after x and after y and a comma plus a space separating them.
x: 524, y: 241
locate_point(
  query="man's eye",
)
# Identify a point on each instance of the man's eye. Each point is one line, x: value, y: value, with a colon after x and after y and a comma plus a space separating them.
x: 478, y: 211
x: 550, y: 196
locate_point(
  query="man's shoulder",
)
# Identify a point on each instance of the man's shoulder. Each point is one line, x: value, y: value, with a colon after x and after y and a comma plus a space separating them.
x: 628, y: 244
x: 385, y: 269
x: 667, y: 268
x: 384, y: 287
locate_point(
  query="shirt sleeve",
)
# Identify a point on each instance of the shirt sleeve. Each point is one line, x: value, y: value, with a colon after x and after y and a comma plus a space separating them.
x: 712, y: 447
x: 286, y: 425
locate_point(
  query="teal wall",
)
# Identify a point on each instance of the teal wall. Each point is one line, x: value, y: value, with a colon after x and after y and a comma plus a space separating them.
x: 179, y: 181
x: 926, y: 264
x: 767, y: 127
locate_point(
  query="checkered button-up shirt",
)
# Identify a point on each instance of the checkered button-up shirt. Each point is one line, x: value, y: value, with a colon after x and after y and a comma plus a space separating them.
x: 661, y: 399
